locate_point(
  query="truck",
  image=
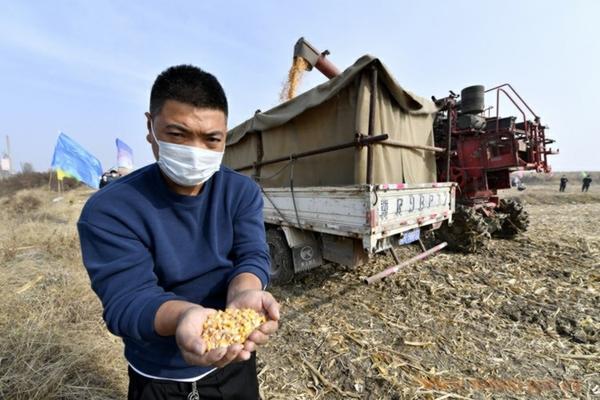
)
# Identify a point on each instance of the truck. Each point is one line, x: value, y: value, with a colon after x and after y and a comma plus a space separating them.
x: 347, y: 169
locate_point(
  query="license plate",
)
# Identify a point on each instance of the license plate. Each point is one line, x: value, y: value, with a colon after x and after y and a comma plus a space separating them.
x: 410, y: 236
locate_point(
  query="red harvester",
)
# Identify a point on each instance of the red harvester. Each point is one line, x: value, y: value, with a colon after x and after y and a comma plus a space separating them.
x: 482, y: 150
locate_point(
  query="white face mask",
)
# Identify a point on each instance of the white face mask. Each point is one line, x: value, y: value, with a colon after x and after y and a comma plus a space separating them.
x: 186, y: 165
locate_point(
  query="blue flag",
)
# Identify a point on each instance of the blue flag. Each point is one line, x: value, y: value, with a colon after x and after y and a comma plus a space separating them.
x: 70, y: 159
x: 124, y: 155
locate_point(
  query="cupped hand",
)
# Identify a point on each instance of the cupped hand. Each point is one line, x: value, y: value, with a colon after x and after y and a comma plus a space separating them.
x: 188, y: 336
x: 261, y: 302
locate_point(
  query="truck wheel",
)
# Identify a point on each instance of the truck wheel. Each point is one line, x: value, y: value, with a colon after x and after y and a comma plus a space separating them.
x: 468, y: 233
x: 516, y: 220
x: 282, y: 263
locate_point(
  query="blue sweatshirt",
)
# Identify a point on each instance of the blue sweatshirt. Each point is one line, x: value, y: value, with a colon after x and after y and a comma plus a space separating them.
x: 143, y: 244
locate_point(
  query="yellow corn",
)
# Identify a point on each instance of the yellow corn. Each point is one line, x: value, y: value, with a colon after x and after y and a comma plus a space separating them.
x: 231, y: 326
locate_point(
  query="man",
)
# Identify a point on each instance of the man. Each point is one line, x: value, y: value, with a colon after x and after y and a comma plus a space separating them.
x: 587, y: 180
x: 169, y: 243
x: 563, y: 183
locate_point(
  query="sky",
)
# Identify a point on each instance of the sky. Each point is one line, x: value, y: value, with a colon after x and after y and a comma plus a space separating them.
x: 85, y: 68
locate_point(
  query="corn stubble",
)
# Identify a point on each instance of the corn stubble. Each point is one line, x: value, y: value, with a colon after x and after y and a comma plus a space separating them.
x: 524, y: 312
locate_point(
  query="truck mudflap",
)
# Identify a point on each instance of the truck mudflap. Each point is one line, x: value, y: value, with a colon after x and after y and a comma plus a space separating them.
x: 306, y: 251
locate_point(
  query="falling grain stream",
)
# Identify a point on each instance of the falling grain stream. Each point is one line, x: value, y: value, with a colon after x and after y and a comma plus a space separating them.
x: 290, y: 87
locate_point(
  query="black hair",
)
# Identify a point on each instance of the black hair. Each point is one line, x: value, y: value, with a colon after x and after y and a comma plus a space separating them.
x: 190, y: 85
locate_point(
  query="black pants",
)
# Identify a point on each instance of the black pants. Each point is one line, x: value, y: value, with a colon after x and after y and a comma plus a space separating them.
x: 236, y: 381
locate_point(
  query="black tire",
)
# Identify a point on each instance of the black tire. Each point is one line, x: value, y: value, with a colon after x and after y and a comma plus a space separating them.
x: 468, y: 233
x: 516, y: 218
x: 282, y: 263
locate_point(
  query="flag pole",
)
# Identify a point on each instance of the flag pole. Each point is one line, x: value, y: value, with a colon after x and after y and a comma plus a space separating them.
x: 50, y: 180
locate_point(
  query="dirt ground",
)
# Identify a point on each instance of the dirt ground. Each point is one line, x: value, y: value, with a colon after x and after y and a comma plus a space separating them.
x: 519, y: 320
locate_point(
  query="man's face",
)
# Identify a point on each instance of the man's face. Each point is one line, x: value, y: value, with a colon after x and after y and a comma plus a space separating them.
x: 182, y: 123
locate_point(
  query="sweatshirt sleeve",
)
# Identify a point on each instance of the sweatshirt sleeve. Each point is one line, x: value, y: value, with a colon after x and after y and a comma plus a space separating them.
x: 121, y: 272
x: 250, y: 250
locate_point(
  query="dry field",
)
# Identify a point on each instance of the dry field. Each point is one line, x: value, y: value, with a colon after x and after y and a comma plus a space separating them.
x: 519, y: 320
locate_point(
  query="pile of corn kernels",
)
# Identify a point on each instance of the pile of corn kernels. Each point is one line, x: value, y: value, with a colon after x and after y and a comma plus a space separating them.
x: 231, y: 326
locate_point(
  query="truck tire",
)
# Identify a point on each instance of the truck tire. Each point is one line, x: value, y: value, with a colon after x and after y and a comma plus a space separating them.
x: 282, y: 263
x: 516, y: 220
x: 468, y: 233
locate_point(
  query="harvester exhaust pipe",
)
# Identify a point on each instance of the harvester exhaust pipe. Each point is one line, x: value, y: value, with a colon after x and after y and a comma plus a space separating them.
x: 315, y: 59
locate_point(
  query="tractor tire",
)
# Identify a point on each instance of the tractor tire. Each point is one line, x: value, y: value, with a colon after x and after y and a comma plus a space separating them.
x: 282, y: 263
x: 516, y: 220
x: 468, y: 233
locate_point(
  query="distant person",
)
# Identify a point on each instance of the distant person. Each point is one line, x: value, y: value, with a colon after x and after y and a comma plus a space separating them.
x: 586, y: 183
x: 108, y: 177
x: 563, y: 183
x: 515, y: 181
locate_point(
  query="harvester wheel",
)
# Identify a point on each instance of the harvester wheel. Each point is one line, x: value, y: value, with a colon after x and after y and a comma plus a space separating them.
x: 517, y: 219
x: 282, y: 263
x: 468, y: 232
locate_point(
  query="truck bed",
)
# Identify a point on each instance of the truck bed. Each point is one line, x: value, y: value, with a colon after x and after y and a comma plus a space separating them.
x: 370, y: 213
